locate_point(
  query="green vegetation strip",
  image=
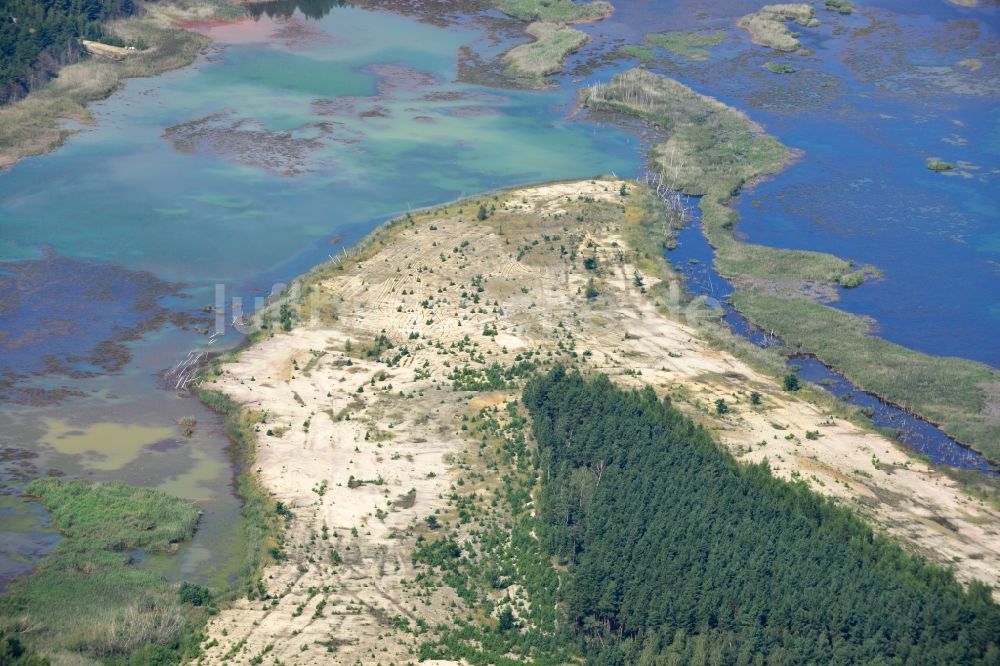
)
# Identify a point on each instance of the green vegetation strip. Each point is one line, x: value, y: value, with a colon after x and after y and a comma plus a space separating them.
x: 261, y: 520
x: 87, y: 597
x: 713, y: 150
x: 553, y: 42
x: 501, y: 563
x: 675, y: 553
x: 961, y: 395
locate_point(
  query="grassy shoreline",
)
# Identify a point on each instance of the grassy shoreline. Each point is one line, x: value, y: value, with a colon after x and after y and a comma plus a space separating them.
x: 34, y: 124
x: 714, y: 151
x: 261, y: 523
x: 86, y: 598
x: 953, y: 393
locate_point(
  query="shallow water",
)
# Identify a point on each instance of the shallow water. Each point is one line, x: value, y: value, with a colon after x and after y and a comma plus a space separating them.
x: 290, y: 139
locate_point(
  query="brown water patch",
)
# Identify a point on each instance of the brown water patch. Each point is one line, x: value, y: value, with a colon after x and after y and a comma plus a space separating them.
x: 337, y: 106
x: 376, y: 111
x: 17, y: 464
x: 461, y: 96
x: 474, y: 69
x: 103, y: 446
x: 442, y: 13
x: 295, y: 33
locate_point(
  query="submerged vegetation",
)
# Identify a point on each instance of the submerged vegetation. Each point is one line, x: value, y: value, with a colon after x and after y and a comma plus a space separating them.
x: 688, y: 43
x: 560, y: 11
x: 88, y: 596
x: 779, y: 67
x: 839, y: 6
x: 553, y: 42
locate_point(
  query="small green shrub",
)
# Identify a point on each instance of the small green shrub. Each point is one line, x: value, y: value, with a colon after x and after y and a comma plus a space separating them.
x: 779, y: 67
x: 196, y: 595
x: 935, y: 164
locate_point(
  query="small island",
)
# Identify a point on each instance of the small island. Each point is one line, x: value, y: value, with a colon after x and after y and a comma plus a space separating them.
x: 767, y: 25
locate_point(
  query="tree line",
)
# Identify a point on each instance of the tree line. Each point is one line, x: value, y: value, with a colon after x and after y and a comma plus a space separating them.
x: 678, y: 554
x: 39, y: 36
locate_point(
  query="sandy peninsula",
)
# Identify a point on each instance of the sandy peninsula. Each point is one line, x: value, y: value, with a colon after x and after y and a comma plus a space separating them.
x: 359, y: 410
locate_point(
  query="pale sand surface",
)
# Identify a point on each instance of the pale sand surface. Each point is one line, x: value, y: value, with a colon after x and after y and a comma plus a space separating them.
x: 404, y: 448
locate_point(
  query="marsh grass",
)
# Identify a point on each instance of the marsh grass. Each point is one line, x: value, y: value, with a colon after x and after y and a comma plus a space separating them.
x: 953, y: 392
x: 687, y: 43
x: 87, y: 597
x: 560, y: 11
x: 706, y: 141
x: 114, y: 516
x: 639, y: 52
x: 779, y: 67
x: 713, y: 150
x: 533, y: 61
x: 839, y: 6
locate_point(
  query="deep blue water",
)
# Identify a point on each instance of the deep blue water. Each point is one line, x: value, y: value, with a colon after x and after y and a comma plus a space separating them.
x: 692, y: 258
x: 881, y: 93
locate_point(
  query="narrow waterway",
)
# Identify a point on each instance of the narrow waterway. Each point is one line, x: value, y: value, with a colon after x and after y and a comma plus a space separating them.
x: 693, y: 260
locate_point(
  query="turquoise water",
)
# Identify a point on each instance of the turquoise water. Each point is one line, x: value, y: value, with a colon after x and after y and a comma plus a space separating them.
x: 288, y: 140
